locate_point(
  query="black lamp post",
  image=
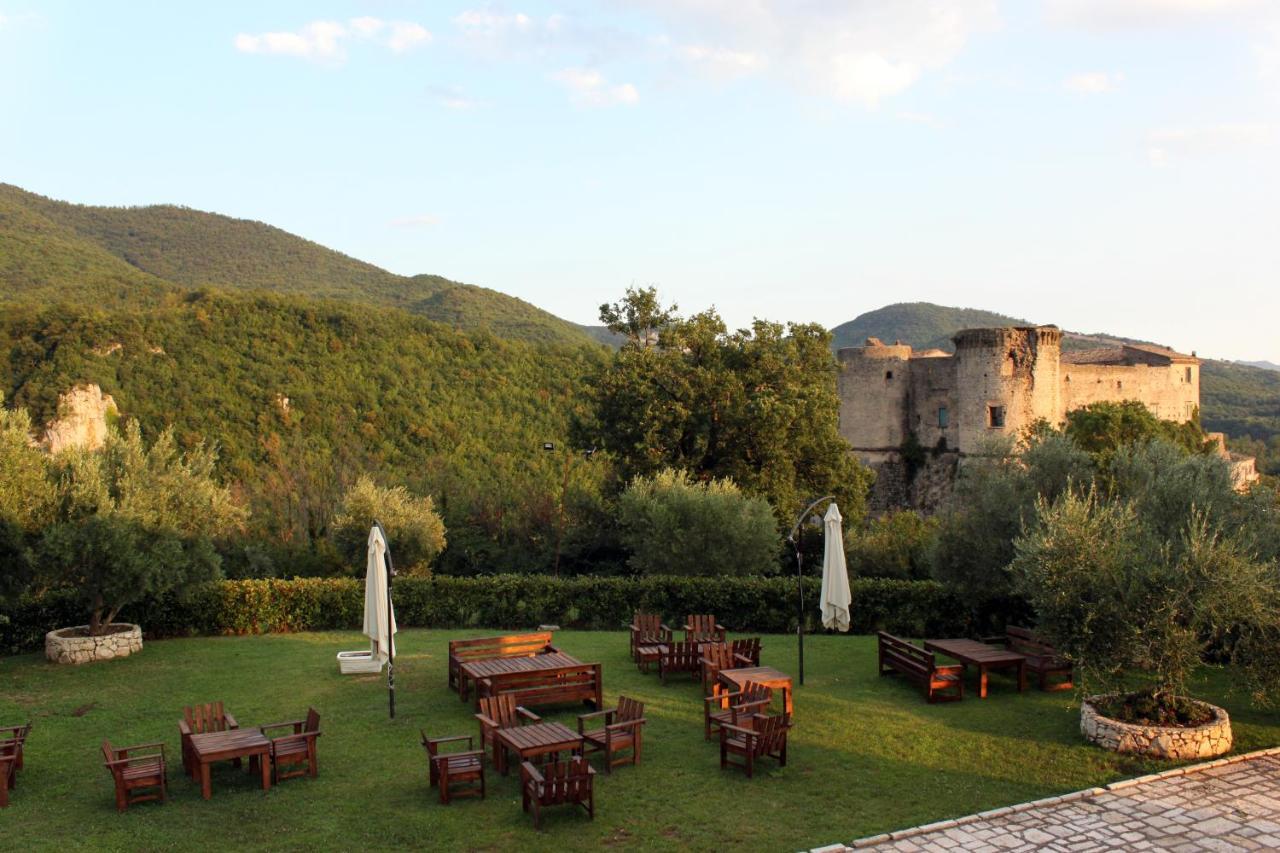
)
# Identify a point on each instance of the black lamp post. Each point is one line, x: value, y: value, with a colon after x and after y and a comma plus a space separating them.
x: 391, y: 640
x: 794, y: 539
x: 550, y: 447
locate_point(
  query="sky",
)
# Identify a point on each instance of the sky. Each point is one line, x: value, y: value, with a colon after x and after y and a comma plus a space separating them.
x: 1105, y: 165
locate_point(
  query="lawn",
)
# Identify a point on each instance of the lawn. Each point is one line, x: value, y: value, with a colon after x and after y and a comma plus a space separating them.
x: 867, y: 754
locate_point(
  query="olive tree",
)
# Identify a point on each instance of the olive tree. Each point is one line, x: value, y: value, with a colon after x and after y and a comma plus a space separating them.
x: 411, y: 523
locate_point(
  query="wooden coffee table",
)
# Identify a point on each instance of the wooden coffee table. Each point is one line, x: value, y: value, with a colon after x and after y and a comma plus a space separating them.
x: 648, y: 655
x: 211, y: 747
x: 534, y: 740
x: 736, y: 679
x: 984, y: 657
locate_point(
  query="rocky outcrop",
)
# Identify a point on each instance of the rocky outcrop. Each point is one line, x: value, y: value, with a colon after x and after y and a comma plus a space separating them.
x: 74, y: 645
x: 81, y: 421
x: 1212, y: 739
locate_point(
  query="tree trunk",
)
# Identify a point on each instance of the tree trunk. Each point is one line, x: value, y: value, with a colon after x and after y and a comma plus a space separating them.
x: 95, y: 617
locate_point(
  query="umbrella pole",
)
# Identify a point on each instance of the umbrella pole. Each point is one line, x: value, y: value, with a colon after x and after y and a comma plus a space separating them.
x: 800, y: 610
x: 391, y: 640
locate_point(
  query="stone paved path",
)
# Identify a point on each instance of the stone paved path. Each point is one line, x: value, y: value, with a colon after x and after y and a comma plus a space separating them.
x: 1217, y: 807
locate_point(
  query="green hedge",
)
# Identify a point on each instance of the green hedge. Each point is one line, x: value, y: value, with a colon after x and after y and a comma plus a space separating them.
x: 766, y: 605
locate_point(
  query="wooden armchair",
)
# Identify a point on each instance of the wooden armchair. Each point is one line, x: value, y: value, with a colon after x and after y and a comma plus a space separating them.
x: 703, y: 629
x: 679, y: 657
x: 447, y: 768
x: 567, y: 783
x: 133, y: 770
x: 734, y: 709
x: 647, y: 630
x: 623, y: 730
x: 500, y: 712
x: 295, y: 748
x: 8, y: 770
x: 760, y: 736
x: 17, y: 736
x: 749, y: 648
x: 715, y: 657
x: 198, y: 719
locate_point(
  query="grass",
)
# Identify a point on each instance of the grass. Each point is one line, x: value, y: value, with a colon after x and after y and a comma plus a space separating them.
x: 867, y: 754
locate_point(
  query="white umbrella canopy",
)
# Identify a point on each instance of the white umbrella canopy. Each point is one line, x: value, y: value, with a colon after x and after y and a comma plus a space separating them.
x: 835, y: 598
x: 379, y: 616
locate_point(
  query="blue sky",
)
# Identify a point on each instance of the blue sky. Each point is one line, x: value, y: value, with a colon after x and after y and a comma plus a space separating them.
x: 1107, y: 165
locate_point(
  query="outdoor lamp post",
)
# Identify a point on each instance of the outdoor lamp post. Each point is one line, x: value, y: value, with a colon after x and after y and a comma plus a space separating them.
x: 794, y: 539
x: 550, y: 447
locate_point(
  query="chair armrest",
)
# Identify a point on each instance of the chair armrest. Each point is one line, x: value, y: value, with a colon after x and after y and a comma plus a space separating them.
x: 719, y: 627
x: 664, y: 628
x: 470, y: 753
x: 635, y: 629
x: 629, y: 724
x: 739, y: 729
x: 291, y: 724
x: 231, y: 722
x: 949, y: 669
x: 743, y: 659
x: 451, y: 739
x: 485, y: 721
x: 607, y: 714
x: 527, y: 714
x: 705, y: 662
x: 722, y: 696
x: 183, y: 728
x: 299, y: 736
x: 529, y: 773
x: 14, y: 729
x: 551, y: 649
x: 123, y: 751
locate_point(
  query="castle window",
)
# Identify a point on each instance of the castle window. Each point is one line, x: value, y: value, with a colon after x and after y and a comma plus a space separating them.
x: 944, y: 417
x: 995, y: 417
x: 1119, y: 384
x: 1188, y: 374
x: 888, y: 374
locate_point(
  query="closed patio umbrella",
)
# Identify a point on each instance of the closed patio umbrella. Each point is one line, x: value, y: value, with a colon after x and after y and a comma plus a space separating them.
x: 379, y: 617
x: 835, y: 598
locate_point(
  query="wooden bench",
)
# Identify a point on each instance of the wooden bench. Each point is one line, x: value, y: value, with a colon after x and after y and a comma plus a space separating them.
x: 485, y: 648
x: 939, y: 683
x: 1042, y: 658
x: 578, y: 682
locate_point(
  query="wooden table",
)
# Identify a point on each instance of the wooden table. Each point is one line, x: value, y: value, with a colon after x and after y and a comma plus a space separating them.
x: 210, y: 747
x: 736, y: 679
x: 982, y: 656
x: 478, y: 669
x: 533, y: 740
x: 646, y: 655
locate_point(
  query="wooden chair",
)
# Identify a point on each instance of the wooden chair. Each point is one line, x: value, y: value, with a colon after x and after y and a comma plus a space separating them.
x: 749, y: 648
x: 647, y: 630
x: 296, y: 748
x: 741, y: 706
x: 557, y: 784
x: 448, y: 768
x: 132, y: 771
x: 17, y: 736
x: 703, y: 629
x: 679, y: 657
x: 500, y: 712
x: 8, y: 770
x: 198, y: 719
x: 762, y: 736
x: 623, y: 730
x: 715, y: 657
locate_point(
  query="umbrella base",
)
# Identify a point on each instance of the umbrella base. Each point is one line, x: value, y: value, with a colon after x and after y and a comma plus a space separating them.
x: 358, y: 663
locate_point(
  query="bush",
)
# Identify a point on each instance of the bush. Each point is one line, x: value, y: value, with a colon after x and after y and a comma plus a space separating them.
x: 498, y: 602
x: 411, y: 523
x: 675, y: 526
x: 895, y: 546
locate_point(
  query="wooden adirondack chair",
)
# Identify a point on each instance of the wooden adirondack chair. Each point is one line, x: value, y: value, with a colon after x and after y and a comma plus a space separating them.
x: 17, y: 736
x: 198, y: 719
x: 296, y: 748
x: 623, y: 730
x: 647, y: 630
x: 703, y: 629
x: 500, y: 712
x: 741, y: 705
x: 758, y: 737
x: 749, y: 648
x: 679, y: 657
x: 8, y: 770
x: 447, y: 768
x: 558, y: 783
x: 715, y: 657
x: 133, y: 771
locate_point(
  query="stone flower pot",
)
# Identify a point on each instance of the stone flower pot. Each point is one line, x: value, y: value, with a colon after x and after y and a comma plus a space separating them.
x: 1176, y: 742
x: 74, y: 645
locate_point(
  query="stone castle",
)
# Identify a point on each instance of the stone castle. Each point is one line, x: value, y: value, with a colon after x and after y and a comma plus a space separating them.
x: 998, y: 382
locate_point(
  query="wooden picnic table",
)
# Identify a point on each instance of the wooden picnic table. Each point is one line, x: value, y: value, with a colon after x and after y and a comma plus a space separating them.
x: 983, y: 656
x: 534, y: 740
x: 766, y: 676
x: 478, y: 669
x: 211, y: 747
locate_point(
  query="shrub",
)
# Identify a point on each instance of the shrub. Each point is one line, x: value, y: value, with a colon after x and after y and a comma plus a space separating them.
x: 897, y: 545
x: 673, y: 525
x: 412, y: 525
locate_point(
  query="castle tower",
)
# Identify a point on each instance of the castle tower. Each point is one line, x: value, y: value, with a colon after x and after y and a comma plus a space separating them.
x: 874, y: 382
x: 1006, y: 379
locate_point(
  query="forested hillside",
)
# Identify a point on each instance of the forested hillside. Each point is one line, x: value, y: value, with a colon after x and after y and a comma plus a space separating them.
x: 303, y: 395
x: 921, y: 324
x: 52, y: 250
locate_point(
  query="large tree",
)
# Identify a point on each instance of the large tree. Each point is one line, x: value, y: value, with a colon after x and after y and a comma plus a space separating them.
x: 757, y: 406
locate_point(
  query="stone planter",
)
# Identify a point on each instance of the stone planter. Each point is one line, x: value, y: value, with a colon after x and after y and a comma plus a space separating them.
x: 1206, y: 741
x: 74, y: 645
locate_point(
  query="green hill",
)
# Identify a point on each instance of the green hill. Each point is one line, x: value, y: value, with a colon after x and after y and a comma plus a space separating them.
x: 921, y: 324
x: 55, y: 251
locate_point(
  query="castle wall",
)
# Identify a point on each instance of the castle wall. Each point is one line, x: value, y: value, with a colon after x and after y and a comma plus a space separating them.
x: 1006, y: 380
x: 1164, y: 389
x: 874, y: 383
x: 933, y: 416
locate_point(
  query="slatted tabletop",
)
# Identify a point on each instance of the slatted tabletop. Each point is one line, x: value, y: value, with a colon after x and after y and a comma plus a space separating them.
x: 982, y: 656
x: 767, y: 676
x: 478, y: 669
x: 537, y: 739
x: 209, y: 747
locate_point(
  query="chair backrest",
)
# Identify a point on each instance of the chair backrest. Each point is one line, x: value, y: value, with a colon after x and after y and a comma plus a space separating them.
x: 683, y: 654
x: 770, y: 731
x: 313, y: 721
x: 748, y: 647
x: 208, y: 717
x: 628, y: 710
x: 702, y: 623
x: 565, y: 782
x: 109, y: 755
x: 753, y: 692
x: 719, y: 654
x: 501, y: 709
x: 648, y: 623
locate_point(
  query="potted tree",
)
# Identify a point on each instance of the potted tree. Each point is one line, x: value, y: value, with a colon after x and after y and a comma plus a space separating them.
x: 129, y: 521
x: 1139, y: 613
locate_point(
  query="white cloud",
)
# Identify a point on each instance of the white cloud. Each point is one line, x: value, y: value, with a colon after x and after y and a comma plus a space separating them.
x: 450, y: 98
x: 589, y: 88
x: 421, y: 220
x: 1166, y: 145
x: 1127, y: 14
x: 326, y: 40
x: 484, y: 23
x: 1093, y: 82
x: 722, y: 61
